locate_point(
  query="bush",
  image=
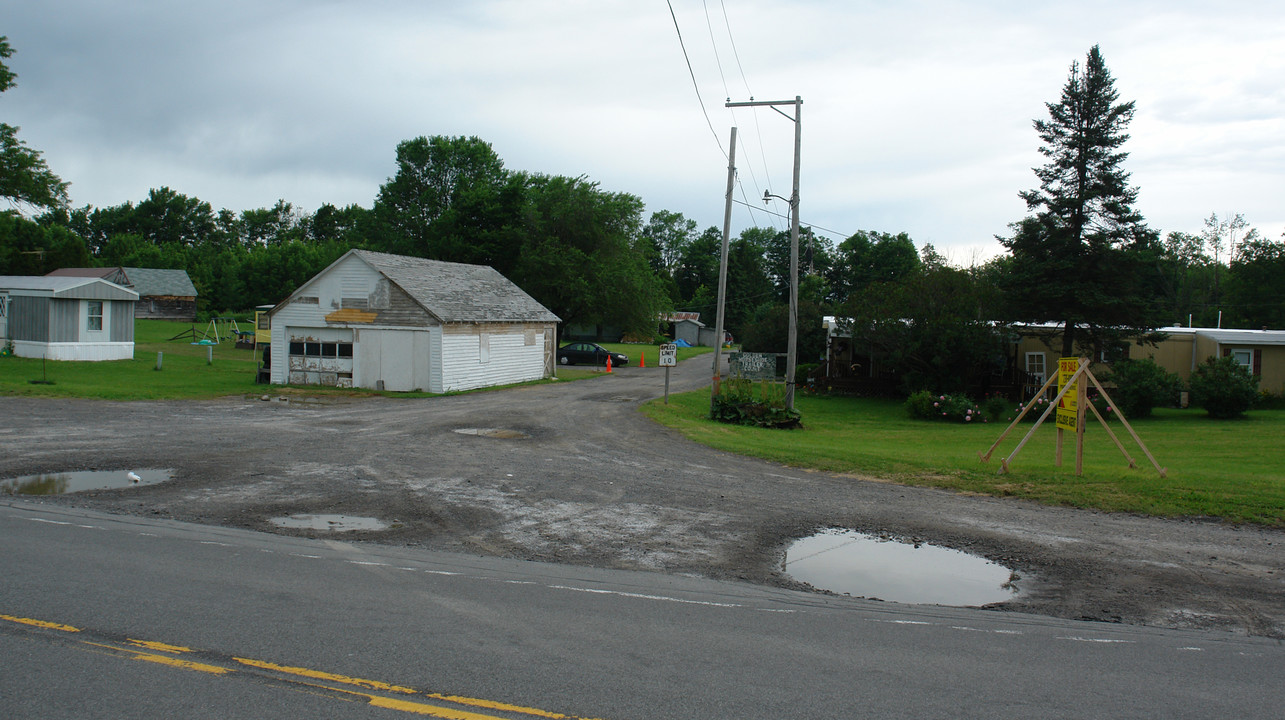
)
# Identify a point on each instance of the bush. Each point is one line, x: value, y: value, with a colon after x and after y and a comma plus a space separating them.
x: 736, y: 404
x: 924, y: 405
x: 1223, y: 387
x: 1141, y: 385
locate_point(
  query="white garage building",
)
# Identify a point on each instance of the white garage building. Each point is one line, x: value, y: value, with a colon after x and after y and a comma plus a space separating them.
x: 391, y: 322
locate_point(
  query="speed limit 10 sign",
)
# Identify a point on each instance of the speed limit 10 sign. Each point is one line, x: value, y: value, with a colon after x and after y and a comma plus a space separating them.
x: 668, y: 355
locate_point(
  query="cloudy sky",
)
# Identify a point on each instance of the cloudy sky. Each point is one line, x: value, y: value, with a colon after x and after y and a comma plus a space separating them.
x: 916, y: 115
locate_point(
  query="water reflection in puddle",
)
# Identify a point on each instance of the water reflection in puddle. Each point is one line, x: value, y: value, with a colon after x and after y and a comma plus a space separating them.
x: 502, y: 433
x: 80, y: 480
x: 866, y: 566
x: 330, y: 523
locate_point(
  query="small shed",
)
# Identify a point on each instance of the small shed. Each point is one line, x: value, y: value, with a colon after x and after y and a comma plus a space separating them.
x: 690, y: 329
x: 391, y: 322
x: 67, y: 318
x: 163, y: 294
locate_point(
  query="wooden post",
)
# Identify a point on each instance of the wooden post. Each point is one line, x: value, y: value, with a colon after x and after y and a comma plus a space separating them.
x: 1080, y: 401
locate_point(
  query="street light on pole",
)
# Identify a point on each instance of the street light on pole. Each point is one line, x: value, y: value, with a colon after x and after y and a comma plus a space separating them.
x: 791, y: 358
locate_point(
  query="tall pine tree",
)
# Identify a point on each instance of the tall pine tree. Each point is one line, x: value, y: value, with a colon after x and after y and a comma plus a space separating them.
x: 1080, y: 259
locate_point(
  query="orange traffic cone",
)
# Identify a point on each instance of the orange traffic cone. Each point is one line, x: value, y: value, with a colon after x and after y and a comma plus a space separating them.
x: 642, y: 359
x: 608, y: 363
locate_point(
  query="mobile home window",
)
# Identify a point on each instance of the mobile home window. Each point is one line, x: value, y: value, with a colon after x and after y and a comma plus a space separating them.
x: 1244, y: 358
x: 95, y: 321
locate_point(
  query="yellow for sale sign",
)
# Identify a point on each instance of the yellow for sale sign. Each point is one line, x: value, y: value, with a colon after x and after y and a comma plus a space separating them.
x: 1067, y: 412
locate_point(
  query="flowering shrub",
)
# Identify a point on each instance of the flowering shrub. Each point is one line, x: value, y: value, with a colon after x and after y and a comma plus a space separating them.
x: 1039, y: 405
x: 946, y: 408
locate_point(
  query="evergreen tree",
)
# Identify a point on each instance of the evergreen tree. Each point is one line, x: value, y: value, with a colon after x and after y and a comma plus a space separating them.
x: 1085, y: 257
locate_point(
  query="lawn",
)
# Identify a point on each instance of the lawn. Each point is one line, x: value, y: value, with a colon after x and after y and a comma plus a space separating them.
x: 187, y: 373
x: 1229, y: 469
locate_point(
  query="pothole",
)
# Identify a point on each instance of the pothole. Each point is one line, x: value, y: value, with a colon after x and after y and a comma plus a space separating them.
x: 867, y: 566
x: 330, y: 523
x: 81, y: 480
x: 501, y: 433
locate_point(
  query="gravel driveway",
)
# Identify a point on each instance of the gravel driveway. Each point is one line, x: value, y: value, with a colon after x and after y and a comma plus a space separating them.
x: 570, y: 473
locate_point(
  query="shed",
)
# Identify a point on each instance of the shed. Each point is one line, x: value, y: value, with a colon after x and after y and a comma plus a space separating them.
x: 163, y: 294
x: 689, y: 329
x: 393, y: 322
x: 67, y: 318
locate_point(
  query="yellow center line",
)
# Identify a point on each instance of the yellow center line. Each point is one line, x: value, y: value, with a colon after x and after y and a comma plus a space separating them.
x: 124, y: 649
x: 153, y: 645
x: 40, y: 623
x: 332, y: 677
x: 166, y: 660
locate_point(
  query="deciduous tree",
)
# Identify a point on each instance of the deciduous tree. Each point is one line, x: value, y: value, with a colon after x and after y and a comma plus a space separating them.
x: 25, y: 179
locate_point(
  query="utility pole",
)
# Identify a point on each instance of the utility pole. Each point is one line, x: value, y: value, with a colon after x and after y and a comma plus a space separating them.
x: 791, y: 358
x: 722, y: 271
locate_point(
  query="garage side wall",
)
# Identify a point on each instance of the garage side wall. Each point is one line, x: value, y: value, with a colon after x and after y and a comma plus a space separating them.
x: 486, y: 354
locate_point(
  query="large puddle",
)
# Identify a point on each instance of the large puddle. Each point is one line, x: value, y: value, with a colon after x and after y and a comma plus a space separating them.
x: 330, y: 523
x: 81, y: 480
x: 866, y: 566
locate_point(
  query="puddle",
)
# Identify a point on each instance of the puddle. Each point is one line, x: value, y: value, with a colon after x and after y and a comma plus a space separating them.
x: 502, y: 433
x: 865, y: 566
x: 330, y: 523
x: 80, y: 480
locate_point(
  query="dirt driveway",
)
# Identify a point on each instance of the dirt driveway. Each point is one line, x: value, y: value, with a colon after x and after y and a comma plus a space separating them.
x: 575, y: 475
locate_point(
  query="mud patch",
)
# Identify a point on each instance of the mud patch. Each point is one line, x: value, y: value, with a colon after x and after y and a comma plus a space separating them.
x: 499, y: 433
x: 329, y: 523
x: 867, y: 566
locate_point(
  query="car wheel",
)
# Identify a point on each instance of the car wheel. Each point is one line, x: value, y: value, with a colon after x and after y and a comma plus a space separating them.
x: 564, y: 360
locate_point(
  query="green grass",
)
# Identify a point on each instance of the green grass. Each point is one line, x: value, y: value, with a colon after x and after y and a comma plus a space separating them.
x: 186, y: 374
x: 1234, y: 470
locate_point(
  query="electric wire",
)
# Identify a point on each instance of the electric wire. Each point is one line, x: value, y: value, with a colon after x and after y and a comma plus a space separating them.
x: 695, y: 85
x: 758, y: 129
x: 802, y: 224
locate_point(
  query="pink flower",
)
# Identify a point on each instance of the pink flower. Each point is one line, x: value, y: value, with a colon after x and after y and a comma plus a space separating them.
x: 934, y: 404
x: 968, y: 418
x: 943, y: 414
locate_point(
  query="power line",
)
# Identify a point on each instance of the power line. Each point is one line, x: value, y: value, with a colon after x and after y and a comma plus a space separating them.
x: 836, y: 233
x: 695, y: 85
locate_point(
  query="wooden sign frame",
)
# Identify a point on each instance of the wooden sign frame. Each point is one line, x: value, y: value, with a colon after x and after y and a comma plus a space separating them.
x: 1081, y: 406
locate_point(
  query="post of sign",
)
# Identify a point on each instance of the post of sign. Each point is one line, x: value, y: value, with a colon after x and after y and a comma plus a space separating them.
x: 1075, y: 383
x: 668, y: 359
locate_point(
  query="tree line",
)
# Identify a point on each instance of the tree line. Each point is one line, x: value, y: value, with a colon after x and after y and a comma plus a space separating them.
x: 1083, y: 258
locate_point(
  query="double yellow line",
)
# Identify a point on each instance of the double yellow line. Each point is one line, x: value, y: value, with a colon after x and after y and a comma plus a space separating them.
x: 185, y: 658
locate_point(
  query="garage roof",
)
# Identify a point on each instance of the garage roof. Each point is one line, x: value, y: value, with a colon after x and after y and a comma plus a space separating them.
x: 457, y: 292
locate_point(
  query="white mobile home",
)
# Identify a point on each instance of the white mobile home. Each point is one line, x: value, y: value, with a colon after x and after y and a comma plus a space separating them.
x: 67, y: 318
x: 391, y: 322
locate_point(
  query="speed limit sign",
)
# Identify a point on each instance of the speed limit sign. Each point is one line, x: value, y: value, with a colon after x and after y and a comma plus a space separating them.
x: 668, y: 355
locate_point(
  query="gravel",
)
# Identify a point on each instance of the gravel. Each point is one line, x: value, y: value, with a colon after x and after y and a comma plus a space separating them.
x: 571, y: 473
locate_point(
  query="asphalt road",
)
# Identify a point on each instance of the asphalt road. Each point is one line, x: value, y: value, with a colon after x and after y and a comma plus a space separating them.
x: 116, y: 616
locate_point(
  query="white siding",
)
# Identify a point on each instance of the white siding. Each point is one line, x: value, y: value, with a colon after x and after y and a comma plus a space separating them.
x: 511, y: 359
x: 92, y: 351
